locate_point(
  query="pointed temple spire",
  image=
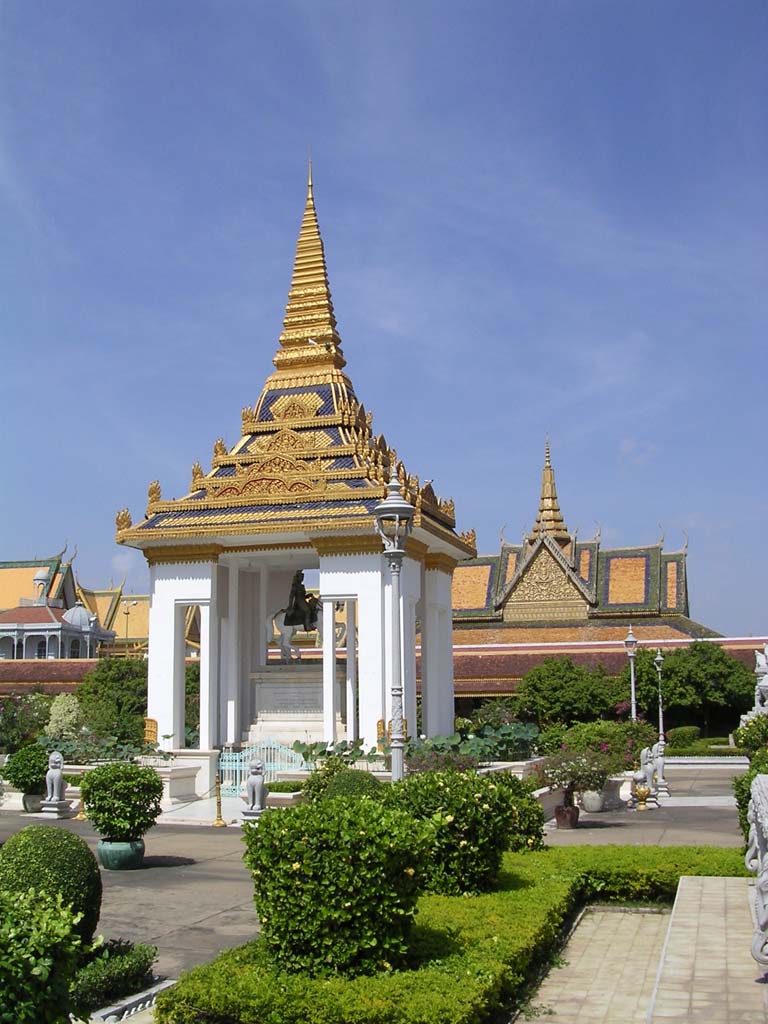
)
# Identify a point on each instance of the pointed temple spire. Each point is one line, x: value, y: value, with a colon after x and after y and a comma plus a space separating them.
x: 309, y: 337
x: 549, y: 519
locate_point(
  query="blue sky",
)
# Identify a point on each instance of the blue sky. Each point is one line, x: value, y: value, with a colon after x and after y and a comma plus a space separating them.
x: 539, y: 218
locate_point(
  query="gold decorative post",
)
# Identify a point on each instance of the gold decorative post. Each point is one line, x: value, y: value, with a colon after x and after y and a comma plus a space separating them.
x: 219, y: 822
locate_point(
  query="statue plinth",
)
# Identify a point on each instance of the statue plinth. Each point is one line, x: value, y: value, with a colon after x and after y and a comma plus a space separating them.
x: 289, y: 702
x: 57, y: 808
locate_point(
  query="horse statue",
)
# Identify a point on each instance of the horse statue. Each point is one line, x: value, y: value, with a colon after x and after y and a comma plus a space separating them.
x: 286, y: 632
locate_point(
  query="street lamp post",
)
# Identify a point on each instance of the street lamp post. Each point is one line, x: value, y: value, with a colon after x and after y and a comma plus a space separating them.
x: 658, y: 661
x: 126, y: 612
x: 662, y: 786
x: 630, y: 643
x: 394, y: 522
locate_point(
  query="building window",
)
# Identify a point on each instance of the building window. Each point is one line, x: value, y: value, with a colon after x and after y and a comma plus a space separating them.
x: 41, y: 649
x: 74, y: 650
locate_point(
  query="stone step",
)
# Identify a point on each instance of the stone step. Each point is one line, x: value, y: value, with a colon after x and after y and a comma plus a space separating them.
x: 706, y: 972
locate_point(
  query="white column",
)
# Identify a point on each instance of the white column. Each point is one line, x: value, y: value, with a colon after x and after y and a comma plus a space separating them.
x: 178, y: 676
x: 264, y: 627
x: 437, y: 695
x: 329, y: 671
x: 231, y: 718
x: 209, y: 676
x: 352, y: 724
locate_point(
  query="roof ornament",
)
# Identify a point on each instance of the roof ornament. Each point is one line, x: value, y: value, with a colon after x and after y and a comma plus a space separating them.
x: 197, y: 475
x: 599, y: 530
x: 685, y: 546
x: 549, y: 519
x: 661, y: 536
x: 219, y: 448
x: 502, y: 538
x: 123, y: 519
x: 153, y: 492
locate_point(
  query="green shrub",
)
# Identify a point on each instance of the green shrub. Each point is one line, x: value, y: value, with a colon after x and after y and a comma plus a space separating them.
x: 22, y: 716
x: 620, y: 742
x: 318, y: 779
x: 742, y: 785
x: 116, y: 969
x: 26, y: 769
x: 683, y: 735
x: 754, y: 735
x: 56, y: 862
x: 39, y: 946
x: 122, y: 800
x: 469, y: 957
x: 336, y: 885
x: 528, y: 831
x: 352, y: 783
x: 473, y: 821
x: 285, y: 786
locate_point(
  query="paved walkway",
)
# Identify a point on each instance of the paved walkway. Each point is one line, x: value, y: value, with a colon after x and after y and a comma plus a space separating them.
x: 609, y: 970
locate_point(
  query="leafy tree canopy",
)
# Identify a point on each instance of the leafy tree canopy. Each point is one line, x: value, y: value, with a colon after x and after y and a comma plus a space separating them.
x: 557, y: 691
x: 113, y: 699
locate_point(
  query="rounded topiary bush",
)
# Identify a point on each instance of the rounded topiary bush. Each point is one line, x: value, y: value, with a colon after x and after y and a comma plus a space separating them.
x: 474, y: 820
x: 336, y: 885
x: 56, y: 862
x: 25, y: 770
x: 352, y: 783
x: 683, y: 735
x: 122, y: 800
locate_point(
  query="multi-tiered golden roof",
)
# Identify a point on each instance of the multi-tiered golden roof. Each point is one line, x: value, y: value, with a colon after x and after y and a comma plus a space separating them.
x: 308, y: 460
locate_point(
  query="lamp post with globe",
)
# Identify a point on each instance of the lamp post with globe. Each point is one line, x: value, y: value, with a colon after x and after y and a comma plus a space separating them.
x: 394, y: 522
x: 630, y: 644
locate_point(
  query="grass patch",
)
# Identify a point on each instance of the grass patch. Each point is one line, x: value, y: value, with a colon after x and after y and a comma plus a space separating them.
x: 468, y: 956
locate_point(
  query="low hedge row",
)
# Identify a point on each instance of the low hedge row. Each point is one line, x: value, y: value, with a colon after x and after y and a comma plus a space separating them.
x: 703, y: 749
x: 469, y: 956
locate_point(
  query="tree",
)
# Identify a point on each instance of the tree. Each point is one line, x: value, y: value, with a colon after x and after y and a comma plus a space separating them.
x: 701, y: 685
x: 557, y: 691
x: 113, y: 699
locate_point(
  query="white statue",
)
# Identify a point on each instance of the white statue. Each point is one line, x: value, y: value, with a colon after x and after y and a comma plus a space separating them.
x: 761, y: 661
x: 648, y: 767
x: 54, y: 777
x: 255, y: 788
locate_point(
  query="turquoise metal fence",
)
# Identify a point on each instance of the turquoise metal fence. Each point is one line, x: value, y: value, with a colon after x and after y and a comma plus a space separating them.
x: 234, y: 767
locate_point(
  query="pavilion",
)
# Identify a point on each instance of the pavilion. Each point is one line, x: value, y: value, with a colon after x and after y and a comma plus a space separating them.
x: 297, y: 491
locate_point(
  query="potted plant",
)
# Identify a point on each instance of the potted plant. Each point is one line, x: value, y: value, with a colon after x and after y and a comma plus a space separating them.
x: 575, y: 772
x: 122, y: 802
x: 25, y: 770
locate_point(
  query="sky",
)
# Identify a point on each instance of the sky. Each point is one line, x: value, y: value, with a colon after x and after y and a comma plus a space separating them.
x: 541, y: 218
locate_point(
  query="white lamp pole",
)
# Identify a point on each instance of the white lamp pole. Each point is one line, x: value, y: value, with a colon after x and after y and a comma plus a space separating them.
x: 394, y: 521
x: 630, y: 643
x: 658, y: 661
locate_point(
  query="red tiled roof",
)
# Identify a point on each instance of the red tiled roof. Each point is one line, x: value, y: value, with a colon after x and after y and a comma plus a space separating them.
x: 54, y: 676
x: 33, y: 614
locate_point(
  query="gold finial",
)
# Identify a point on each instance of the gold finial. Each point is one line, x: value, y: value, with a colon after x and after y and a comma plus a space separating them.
x: 197, y: 475
x: 309, y: 337
x: 153, y: 491
x: 219, y: 448
x: 549, y: 519
x: 309, y: 175
x: 123, y: 519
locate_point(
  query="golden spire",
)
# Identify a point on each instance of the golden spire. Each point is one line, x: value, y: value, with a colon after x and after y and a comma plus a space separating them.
x: 309, y: 335
x: 549, y: 519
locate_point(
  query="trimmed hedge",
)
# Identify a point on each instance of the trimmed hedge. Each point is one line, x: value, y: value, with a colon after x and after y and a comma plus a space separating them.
x: 336, y: 884
x: 116, y: 969
x: 54, y: 861
x: 742, y: 785
x: 473, y: 819
x: 353, y: 783
x: 469, y: 957
x: 683, y: 736
x: 39, y: 946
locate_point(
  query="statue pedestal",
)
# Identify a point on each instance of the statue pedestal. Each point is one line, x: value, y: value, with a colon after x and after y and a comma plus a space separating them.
x: 289, y: 703
x: 57, y: 808
x: 253, y: 816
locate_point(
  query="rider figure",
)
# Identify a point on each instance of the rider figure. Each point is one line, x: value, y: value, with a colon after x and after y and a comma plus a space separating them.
x: 301, y: 610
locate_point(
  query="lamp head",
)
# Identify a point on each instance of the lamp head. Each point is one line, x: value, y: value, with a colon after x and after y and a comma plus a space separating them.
x: 658, y: 661
x: 394, y: 516
x: 630, y: 642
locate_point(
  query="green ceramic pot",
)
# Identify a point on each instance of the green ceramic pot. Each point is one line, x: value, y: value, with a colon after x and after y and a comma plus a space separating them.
x: 120, y: 856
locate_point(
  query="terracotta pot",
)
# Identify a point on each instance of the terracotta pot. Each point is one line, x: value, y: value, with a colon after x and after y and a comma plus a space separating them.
x: 120, y: 856
x: 566, y: 817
